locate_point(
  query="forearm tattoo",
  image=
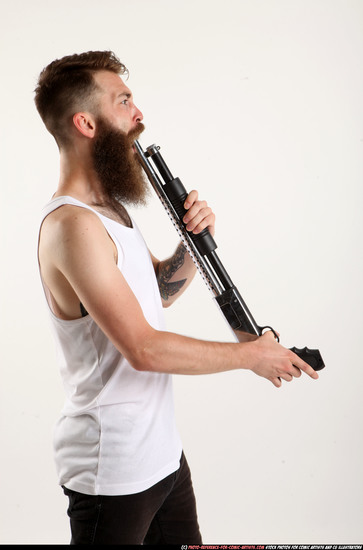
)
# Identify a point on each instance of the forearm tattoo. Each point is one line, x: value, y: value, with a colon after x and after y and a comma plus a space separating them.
x: 167, y: 270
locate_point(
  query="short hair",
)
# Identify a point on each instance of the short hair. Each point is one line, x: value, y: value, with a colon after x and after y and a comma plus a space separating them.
x: 66, y: 86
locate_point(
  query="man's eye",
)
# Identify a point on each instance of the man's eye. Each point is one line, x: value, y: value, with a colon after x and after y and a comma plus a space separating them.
x: 124, y: 101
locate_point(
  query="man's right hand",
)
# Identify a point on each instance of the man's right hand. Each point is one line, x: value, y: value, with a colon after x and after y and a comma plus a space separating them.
x: 274, y: 362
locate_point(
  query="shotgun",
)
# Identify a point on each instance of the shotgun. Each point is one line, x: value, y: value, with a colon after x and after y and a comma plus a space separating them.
x: 202, y: 249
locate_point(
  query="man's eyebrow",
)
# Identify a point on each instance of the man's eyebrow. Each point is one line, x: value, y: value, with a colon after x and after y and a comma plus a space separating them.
x: 123, y: 94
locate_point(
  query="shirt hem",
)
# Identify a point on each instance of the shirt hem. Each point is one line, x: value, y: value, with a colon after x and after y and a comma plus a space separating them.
x: 118, y: 489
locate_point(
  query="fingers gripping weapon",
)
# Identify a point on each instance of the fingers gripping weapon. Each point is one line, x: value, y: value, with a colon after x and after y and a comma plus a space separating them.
x: 202, y: 249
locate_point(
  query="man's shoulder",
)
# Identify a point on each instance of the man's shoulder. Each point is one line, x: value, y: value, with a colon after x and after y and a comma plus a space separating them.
x: 70, y: 223
x: 69, y: 216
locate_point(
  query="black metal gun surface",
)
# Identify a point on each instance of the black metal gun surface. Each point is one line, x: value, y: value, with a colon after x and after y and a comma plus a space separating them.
x: 202, y: 249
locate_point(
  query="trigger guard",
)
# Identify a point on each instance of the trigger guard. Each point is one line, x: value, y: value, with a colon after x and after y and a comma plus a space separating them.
x: 267, y: 327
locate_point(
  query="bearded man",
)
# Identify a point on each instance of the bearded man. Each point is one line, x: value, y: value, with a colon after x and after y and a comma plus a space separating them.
x: 118, y: 453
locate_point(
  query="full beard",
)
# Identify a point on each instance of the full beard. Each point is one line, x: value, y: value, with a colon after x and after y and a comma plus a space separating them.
x: 116, y: 165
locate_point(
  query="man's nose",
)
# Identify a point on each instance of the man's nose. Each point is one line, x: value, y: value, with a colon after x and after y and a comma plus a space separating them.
x: 138, y: 116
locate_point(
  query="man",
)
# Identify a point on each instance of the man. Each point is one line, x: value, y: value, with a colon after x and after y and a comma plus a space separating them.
x: 118, y: 453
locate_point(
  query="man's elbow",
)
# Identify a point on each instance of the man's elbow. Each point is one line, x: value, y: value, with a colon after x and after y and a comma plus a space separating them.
x: 167, y: 303
x: 144, y: 357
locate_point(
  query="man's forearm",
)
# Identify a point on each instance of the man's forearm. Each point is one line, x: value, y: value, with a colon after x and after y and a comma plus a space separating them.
x: 172, y: 353
x: 174, y: 275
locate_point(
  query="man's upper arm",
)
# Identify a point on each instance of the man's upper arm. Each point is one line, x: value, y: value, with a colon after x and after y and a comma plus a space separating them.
x: 84, y: 254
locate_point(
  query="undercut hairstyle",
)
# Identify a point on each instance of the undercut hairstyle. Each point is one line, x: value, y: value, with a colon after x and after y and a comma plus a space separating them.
x: 67, y: 86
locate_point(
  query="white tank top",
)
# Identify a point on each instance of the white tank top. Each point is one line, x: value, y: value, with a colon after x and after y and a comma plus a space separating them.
x: 117, y: 434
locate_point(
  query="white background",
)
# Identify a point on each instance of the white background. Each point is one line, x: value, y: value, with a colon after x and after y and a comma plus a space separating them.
x: 258, y: 105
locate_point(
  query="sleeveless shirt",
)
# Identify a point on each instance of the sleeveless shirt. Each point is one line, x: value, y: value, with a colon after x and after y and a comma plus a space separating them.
x: 117, y: 433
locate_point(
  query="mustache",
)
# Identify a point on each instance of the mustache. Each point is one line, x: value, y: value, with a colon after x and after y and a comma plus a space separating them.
x: 136, y: 132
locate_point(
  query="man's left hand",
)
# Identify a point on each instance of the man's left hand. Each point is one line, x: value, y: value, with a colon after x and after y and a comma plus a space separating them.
x: 199, y: 215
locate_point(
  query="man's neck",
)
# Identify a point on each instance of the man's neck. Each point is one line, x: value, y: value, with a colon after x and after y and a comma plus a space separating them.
x: 78, y: 178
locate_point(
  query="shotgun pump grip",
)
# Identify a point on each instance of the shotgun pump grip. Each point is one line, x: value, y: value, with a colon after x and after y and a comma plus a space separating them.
x: 177, y: 194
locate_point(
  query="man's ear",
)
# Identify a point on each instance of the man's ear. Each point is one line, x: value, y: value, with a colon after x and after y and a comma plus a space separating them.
x: 85, y: 123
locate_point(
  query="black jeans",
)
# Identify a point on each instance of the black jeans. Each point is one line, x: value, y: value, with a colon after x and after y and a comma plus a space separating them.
x: 164, y: 514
